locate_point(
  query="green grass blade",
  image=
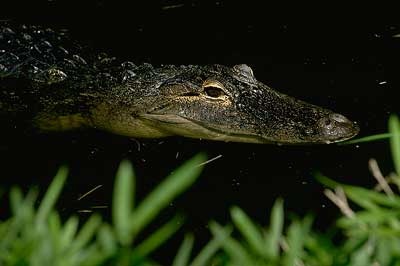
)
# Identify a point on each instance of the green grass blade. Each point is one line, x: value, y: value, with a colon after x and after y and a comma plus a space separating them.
x: 362, y: 256
x: 86, y: 233
x: 370, y: 138
x: 374, y: 217
x: 394, y: 129
x: 272, y: 245
x: 295, y: 241
x: 23, y: 207
x: 51, y: 195
x: 23, y: 213
x: 249, y: 230
x: 15, y: 200
x: 209, y: 250
x: 183, y: 255
x: 107, y: 240
x: 181, y: 179
x: 365, y: 197
x: 326, y: 180
x: 122, y: 204
x: 54, y: 230
x: 233, y: 248
x: 68, y: 232
x: 158, y: 237
x: 384, y: 250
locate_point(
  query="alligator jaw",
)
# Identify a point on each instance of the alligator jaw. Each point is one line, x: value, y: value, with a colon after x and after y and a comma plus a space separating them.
x: 178, y: 125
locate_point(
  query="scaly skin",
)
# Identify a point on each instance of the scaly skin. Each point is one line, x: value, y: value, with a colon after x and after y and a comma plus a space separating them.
x: 58, y: 84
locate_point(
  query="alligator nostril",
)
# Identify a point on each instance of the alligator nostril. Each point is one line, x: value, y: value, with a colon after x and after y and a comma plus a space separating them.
x: 339, y: 118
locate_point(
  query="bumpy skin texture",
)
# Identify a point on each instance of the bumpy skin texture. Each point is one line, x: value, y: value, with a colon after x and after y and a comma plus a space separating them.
x: 57, y: 84
x: 41, y: 71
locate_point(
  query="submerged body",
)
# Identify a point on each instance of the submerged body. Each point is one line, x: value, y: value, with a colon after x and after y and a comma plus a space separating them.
x: 57, y: 84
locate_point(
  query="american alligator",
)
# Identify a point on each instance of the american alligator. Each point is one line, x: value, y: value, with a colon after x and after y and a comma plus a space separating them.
x: 58, y: 84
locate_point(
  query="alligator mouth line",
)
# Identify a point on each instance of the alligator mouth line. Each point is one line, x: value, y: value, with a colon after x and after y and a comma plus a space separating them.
x: 221, y: 135
x: 259, y: 139
x: 230, y: 136
x: 251, y: 137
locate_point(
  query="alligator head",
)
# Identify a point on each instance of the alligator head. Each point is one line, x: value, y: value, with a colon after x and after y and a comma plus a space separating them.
x: 229, y: 104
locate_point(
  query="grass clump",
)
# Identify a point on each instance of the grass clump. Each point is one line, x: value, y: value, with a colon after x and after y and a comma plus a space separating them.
x: 368, y: 232
x: 37, y: 236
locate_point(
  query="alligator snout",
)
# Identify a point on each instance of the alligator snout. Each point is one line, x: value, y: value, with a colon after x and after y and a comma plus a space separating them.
x: 334, y: 127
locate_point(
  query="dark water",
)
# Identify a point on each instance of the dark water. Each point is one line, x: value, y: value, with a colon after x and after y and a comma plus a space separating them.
x: 346, y: 60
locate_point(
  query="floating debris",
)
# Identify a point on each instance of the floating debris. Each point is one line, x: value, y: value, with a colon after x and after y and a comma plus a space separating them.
x: 85, y: 211
x: 100, y: 207
x: 89, y: 192
x: 172, y: 6
x: 211, y: 160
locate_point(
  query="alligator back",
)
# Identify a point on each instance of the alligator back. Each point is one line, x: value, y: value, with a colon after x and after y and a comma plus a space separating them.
x: 43, y: 73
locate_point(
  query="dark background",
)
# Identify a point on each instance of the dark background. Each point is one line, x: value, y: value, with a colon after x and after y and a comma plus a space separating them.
x: 340, y: 57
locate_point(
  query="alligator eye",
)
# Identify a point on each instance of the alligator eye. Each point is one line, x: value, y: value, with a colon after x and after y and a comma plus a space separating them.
x: 214, y: 92
x: 213, y: 89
